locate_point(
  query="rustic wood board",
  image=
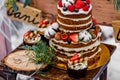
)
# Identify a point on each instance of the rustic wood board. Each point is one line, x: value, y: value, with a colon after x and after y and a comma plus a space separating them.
x: 28, y: 15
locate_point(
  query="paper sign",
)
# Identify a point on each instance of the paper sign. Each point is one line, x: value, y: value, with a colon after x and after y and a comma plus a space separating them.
x: 28, y: 15
x: 116, y: 29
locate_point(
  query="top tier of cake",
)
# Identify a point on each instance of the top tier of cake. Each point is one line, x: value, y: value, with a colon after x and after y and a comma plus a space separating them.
x: 74, y: 15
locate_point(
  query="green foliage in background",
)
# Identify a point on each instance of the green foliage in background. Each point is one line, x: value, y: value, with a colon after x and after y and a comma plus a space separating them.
x: 13, y: 3
x: 116, y: 4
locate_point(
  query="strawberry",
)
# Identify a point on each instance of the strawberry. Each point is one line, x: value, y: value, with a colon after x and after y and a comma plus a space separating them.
x: 95, y: 32
x: 79, y: 4
x: 64, y: 37
x: 88, y: 1
x: 27, y: 34
x: 94, y: 21
x: 58, y: 36
x: 74, y: 37
x: 71, y: 8
x: 75, y: 57
x: 86, y: 8
x: 60, y: 4
x: 45, y: 21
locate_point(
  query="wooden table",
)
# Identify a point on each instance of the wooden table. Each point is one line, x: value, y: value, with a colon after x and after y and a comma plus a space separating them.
x: 57, y: 74
x: 101, y: 72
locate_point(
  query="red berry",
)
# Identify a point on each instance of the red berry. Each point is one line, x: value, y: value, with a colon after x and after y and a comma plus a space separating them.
x: 95, y: 32
x: 74, y: 37
x: 85, y: 8
x: 64, y: 37
x: 71, y: 8
x: 60, y: 4
x: 45, y: 21
x: 75, y: 57
x: 94, y: 21
x: 79, y: 4
x: 58, y: 36
x: 88, y: 1
x: 27, y: 34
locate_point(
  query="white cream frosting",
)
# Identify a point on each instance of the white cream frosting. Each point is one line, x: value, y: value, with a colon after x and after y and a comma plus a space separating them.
x: 50, y: 30
x: 66, y: 3
x: 64, y: 59
x: 80, y: 25
x: 85, y: 35
x: 69, y: 55
x: 77, y: 66
x: 78, y: 19
x: 63, y: 42
x: 74, y: 30
x: 71, y: 13
x: 75, y: 49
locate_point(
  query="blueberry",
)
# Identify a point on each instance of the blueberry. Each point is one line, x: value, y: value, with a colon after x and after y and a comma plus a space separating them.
x: 64, y: 9
x: 69, y: 41
x: 76, y: 10
x: 93, y: 27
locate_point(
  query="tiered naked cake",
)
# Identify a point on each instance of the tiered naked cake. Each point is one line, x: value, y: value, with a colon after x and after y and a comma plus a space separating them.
x: 78, y: 32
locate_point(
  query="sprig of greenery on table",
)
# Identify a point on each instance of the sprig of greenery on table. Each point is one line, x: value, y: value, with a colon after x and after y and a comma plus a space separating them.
x: 13, y: 3
x: 43, y: 53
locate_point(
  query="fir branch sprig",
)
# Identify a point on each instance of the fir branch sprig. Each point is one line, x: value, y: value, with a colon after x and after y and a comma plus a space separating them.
x: 43, y: 53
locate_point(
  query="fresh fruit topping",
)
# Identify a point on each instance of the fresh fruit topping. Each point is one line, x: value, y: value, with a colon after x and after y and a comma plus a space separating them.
x: 74, y: 37
x: 86, y: 8
x: 76, y: 10
x: 79, y: 4
x: 93, y: 27
x: 88, y: 1
x: 94, y: 21
x: 64, y: 9
x: 27, y: 34
x: 93, y: 32
x: 75, y: 57
x: 58, y: 36
x: 69, y: 41
x: 60, y: 4
x: 45, y: 21
x: 64, y: 37
x: 71, y: 8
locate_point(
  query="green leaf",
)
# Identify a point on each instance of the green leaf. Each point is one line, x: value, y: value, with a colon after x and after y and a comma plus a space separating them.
x: 14, y: 6
x: 26, y: 3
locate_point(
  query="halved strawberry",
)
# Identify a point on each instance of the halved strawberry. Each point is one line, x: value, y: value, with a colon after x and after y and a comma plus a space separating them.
x: 64, y: 36
x: 75, y: 57
x: 74, y: 37
x: 26, y: 34
x: 79, y: 4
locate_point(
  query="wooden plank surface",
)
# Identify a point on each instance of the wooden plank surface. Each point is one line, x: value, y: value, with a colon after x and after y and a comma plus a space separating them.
x: 28, y: 15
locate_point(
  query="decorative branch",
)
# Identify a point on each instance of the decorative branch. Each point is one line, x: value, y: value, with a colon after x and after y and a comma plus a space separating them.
x: 13, y: 3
